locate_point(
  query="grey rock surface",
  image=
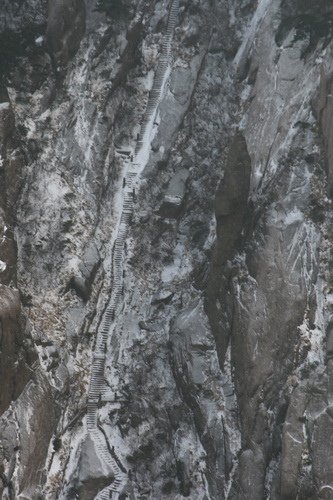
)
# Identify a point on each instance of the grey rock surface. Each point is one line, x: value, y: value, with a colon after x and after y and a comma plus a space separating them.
x: 215, y: 380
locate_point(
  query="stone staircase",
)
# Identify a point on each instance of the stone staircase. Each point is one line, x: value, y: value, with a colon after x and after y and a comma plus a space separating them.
x: 160, y: 75
x: 120, y: 478
x: 97, y: 383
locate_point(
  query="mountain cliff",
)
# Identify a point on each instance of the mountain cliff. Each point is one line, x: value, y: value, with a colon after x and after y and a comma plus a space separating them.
x: 166, y: 310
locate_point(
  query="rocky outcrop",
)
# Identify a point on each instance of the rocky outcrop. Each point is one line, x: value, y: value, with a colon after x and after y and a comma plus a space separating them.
x: 26, y: 437
x: 83, y: 279
x: 324, y: 113
x: 14, y: 381
x: 293, y: 443
x: 174, y: 196
x: 15, y: 352
x: 10, y: 171
x: 191, y: 353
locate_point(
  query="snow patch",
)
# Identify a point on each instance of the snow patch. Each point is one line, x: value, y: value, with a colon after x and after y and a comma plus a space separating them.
x: 39, y: 41
x: 250, y: 33
x: 4, y: 106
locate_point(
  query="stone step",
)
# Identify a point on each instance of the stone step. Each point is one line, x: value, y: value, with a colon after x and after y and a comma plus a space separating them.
x: 99, y: 355
x: 98, y: 365
x: 97, y: 379
x: 96, y: 389
x: 98, y: 370
x: 118, y: 247
x: 97, y: 384
x: 96, y: 395
x: 96, y: 375
x: 103, y: 496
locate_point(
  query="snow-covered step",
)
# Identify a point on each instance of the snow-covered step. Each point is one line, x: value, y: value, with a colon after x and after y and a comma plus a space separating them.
x: 96, y: 391
x: 97, y: 367
x: 97, y: 383
x: 99, y: 355
x: 96, y: 380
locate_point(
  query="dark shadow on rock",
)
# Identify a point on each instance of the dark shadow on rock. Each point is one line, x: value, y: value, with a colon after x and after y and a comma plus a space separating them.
x: 65, y: 29
x: 231, y: 209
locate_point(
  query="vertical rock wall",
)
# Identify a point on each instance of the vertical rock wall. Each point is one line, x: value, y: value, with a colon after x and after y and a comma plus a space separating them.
x: 218, y: 364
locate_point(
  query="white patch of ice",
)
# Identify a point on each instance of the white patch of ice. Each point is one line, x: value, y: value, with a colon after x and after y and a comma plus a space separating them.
x: 39, y: 41
x: 4, y: 105
x: 294, y: 216
x: 31, y: 128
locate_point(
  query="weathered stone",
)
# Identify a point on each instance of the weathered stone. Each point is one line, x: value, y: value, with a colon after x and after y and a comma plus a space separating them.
x: 174, y: 196
x: 329, y: 339
x: 163, y: 296
x: 293, y: 443
x: 252, y: 469
x: 330, y: 380
x: 9, y: 340
x: 35, y: 428
x: 92, y: 475
x: 322, y: 454
x: 231, y: 207
x: 65, y: 28
x: 189, y: 370
x: 236, y: 153
x: 82, y: 281
x: 7, y: 122
x: 325, y: 108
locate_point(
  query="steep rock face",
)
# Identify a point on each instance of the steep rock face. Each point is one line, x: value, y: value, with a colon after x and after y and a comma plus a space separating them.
x: 65, y: 28
x: 16, y: 350
x: 9, y: 182
x: 25, y: 438
x: 14, y: 370
x: 217, y: 372
x: 232, y: 214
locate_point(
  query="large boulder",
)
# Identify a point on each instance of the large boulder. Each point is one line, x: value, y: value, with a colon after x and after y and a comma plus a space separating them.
x: 175, y: 195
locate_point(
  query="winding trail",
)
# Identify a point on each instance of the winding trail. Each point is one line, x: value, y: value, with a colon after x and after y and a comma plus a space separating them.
x: 132, y: 174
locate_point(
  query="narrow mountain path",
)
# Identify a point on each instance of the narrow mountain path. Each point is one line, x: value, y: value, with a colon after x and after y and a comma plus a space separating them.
x: 131, y: 182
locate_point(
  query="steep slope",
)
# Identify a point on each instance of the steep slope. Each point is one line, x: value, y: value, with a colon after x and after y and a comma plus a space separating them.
x: 165, y: 249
